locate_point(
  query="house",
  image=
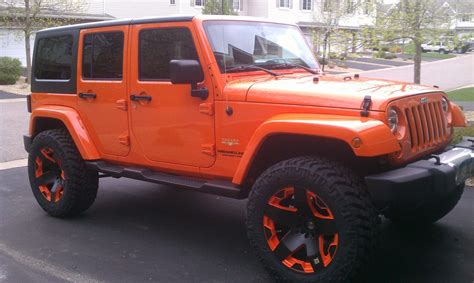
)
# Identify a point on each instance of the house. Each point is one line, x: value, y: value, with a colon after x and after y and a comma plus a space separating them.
x: 308, y: 14
x: 461, y: 12
x: 464, y: 17
x: 12, y: 37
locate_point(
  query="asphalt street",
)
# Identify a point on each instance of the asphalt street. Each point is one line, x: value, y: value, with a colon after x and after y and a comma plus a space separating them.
x: 447, y: 74
x: 138, y: 232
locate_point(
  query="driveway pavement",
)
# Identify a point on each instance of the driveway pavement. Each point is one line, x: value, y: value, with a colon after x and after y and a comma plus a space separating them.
x: 137, y: 232
x: 13, y: 124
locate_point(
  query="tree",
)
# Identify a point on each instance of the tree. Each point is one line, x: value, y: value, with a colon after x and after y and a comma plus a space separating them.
x: 32, y: 15
x: 415, y: 20
x: 219, y: 7
x: 331, y: 16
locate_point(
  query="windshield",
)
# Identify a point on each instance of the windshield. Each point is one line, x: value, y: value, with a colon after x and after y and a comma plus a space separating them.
x: 271, y: 46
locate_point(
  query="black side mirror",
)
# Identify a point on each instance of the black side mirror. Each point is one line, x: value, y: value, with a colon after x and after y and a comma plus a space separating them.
x: 188, y: 72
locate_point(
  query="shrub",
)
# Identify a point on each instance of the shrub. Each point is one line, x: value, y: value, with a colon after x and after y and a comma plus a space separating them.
x: 395, y: 49
x: 389, y: 56
x: 380, y: 54
x: 341, y: 65
x: 10, y: 70
x: 323, y: 61
x: 343, y: 56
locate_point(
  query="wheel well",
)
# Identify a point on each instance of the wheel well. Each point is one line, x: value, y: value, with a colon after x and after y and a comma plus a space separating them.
x: 43, y: 123
x: 281, y: 147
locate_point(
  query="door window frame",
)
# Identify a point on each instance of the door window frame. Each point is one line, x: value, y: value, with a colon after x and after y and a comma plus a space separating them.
x: 82, y: 56
x: 125, y: 50
x: 139, y: 49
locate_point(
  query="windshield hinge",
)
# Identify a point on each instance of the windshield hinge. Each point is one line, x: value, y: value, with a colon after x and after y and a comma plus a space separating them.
x: 366, y: 106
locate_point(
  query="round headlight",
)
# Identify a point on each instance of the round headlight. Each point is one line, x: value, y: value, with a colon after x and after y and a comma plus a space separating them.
x: 392, y: 119
x: 444, y: 104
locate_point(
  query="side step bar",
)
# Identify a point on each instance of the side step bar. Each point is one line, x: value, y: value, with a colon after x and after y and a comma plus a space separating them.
x: 216, y: 187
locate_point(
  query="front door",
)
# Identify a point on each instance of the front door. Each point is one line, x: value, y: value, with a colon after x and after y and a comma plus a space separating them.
x: 102, y: 88
x: 171, y: 126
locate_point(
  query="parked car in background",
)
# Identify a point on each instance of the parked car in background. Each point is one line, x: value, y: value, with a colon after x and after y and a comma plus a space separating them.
x: 438, y: 46
x: 465, y: 46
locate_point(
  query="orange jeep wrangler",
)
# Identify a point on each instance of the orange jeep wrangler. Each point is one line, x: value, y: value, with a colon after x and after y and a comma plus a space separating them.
x: 239, y: 107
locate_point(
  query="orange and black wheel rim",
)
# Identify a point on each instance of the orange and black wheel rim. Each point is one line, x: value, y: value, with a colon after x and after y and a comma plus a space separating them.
x: 300, y: 230
x: 49, y: 175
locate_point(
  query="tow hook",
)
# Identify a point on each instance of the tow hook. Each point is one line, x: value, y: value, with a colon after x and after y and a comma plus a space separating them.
x: 438, y: 159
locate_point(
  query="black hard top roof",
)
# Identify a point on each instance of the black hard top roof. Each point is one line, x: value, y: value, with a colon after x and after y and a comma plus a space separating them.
x: 121, y: 22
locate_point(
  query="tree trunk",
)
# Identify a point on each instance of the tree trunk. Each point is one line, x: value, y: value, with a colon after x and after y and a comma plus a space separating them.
x: 354, y: 42
x: 28, y: 57
x: 326, y: 36
x: 27, y: 31
x: 417, y: 59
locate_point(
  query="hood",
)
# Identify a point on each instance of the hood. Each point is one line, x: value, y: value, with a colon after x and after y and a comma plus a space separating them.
x: 329, y: 91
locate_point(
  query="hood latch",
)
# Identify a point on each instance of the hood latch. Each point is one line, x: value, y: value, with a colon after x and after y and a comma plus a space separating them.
x: 366, y: 106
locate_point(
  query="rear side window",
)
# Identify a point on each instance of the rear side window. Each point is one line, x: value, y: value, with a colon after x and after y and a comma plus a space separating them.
x: 157, y: 47
x: 54, y: 58
x: 102, y: 56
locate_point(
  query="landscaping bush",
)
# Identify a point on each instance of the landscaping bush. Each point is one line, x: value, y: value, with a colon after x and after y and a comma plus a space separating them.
x: 380, y: 54
x: 384, y: 55
x: 343, y: 56
x: 10, y: 70
x: 333, y: 55
x: 323, y: 61
x: 389, y: 56
x: 341, y: 65
x: 395, y: 49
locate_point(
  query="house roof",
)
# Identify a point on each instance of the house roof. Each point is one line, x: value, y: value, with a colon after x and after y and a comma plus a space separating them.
x: 120, y: 22
x: 162, y: 19
x: 5, y: 11
x: 455, y: 6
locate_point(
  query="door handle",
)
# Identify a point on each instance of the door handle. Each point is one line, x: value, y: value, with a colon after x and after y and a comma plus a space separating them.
x: 140, y: 97
x: 84, y: 95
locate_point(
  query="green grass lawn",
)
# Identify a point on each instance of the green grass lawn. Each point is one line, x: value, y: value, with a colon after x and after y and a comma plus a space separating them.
x: 437, y: 55
x: 464, y: 94
x: 461, y: 132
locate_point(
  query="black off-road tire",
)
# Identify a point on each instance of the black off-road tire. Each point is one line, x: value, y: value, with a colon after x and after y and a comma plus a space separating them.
x: 355, y: 216
x: 428, y: 212
x: 79, y: 184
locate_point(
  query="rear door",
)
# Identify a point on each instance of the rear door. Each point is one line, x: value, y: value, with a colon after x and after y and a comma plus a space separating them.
x: 171, y: 127
x: 102, y: 87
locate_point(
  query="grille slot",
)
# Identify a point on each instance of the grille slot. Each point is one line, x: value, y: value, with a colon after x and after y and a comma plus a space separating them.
x: 426, y: 124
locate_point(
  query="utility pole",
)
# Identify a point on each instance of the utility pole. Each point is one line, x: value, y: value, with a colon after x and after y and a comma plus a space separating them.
x: 222, y: 7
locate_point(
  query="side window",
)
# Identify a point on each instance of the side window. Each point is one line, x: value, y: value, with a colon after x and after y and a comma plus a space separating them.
x: 54, y: 58
x: 157, y: 47
x: 102, y: 56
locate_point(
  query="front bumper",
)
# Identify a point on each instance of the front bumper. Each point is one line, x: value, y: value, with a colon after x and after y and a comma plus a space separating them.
x: 425, y: 179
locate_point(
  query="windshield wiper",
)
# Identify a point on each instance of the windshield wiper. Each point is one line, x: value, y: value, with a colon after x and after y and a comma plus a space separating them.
x: 251, y: 68
x: 291, y: 65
